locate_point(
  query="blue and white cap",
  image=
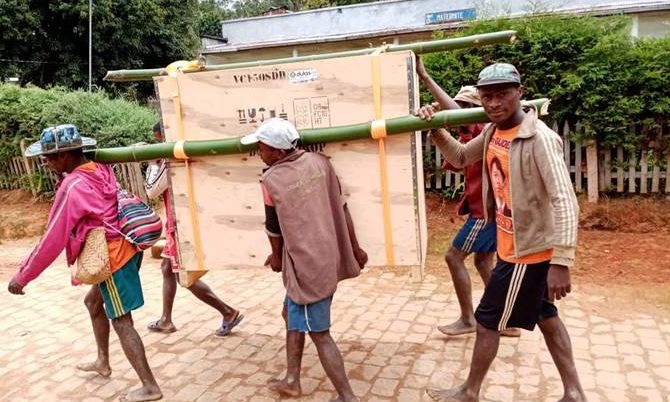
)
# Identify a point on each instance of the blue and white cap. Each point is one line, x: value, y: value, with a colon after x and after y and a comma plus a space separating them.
x: 64, y: 137
x: 277, y: 133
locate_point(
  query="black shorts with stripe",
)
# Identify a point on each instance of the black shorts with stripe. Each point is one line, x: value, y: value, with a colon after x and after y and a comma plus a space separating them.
x: 516, y: 297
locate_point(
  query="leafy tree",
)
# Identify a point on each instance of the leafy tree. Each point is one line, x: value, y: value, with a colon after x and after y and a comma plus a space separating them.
x: 348, y: 2
x: 312, y: 4
x: 209, y: 16
x: 593, y: 71
x: 28, y: 110
x: 252, y: 8
x: 46, y: 42
x: 49, y: 44
x: 16, y: 22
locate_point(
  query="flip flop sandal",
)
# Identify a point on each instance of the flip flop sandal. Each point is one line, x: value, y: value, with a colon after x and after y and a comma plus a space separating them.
x: 155, y: 327
x: 227, y: 326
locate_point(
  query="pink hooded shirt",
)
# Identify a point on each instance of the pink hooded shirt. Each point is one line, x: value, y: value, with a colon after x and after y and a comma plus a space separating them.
x: 84, y: 199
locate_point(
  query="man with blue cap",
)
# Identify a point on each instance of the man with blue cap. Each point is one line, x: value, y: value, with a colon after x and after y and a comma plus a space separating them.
x: 86, y: 199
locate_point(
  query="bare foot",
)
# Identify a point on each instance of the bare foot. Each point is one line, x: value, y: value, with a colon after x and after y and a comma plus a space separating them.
x: 449, y: 395
x: 102, y: 369
x: 284, y: 388
x: 142, y: 394
x: 511, y: 332
x: 579, y: 397
x: 341, y: 399
x: 457, y: 327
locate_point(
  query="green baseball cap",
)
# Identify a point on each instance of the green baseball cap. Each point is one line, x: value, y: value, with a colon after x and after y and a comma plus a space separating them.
x: 499, y: 73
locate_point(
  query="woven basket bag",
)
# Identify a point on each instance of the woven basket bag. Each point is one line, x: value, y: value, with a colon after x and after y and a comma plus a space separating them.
x: 93, y: 265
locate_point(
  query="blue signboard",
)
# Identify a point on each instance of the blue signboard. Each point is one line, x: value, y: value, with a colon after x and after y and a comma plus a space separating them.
x: 451, y: 16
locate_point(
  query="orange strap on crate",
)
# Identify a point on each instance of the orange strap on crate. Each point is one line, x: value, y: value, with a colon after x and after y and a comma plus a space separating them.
x: 377, y: 133
x: 197, y: 239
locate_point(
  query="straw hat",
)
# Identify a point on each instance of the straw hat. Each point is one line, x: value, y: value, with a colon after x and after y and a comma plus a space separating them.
x: 468, y: 94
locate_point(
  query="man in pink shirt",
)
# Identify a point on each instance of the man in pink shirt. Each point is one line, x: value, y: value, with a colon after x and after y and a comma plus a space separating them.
x: 86, y: 199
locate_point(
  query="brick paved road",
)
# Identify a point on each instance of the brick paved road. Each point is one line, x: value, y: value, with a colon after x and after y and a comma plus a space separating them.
x: 384, y: 326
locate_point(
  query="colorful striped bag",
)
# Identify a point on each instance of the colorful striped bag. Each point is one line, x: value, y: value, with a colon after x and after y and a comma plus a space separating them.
x: 138, y: 222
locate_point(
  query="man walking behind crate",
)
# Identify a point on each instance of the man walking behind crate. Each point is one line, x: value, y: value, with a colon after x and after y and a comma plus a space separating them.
x: 157, y: 184
x: 313, y: 244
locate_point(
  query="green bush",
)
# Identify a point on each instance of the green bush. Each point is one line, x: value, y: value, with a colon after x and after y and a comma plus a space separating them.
x: 614, y: 86
x: 24, y: 112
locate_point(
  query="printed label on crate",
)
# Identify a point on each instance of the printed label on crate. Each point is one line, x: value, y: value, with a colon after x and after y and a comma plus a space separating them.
x: 259, y: 77
x: 254, y: 114
x: 305, y: 75
x: 311, y: 112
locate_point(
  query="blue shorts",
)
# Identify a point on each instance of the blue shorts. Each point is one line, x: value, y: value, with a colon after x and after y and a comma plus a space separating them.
x: 122, y: 292
x: 476, y: 236
x: 314, y: 317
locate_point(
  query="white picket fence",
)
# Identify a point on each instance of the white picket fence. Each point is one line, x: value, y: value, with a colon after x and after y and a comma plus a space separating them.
x: 593, y: 169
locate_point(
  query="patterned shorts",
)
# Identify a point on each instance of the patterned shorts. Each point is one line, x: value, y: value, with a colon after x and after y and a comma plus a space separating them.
x: 122, y: 292
x: 476, y: 236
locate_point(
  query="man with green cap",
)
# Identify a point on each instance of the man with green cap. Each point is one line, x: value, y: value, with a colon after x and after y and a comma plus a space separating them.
x: 86, y: 199
x: 528, y: 194
x: 476, y: 236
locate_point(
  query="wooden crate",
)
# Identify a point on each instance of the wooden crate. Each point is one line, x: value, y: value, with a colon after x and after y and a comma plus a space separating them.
x: 227, y: 228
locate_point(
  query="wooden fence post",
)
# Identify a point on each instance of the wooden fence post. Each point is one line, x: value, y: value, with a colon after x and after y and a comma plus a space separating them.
x: 438, y: 169
x: 656, y: 176
x: 643, y: 172
x: 592, y: 171
x: 607, y: 169
x: 578, y: 167
x: 140, y: 190
x: 427, y: 144
x: 632, y: 171
x: 29, y: 170
x: 619, y: 169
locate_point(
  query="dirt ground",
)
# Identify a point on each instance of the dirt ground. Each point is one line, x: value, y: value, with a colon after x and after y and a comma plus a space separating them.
x: 21, y: 215
x: 622, y: 243
x: 622, y: 252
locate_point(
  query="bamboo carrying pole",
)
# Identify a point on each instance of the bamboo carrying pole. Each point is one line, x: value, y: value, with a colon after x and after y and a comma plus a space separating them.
x: 229, y: 146
x: 418, y: 48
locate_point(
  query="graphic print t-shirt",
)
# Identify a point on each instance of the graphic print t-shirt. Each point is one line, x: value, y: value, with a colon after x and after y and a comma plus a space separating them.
x: 497, y: 163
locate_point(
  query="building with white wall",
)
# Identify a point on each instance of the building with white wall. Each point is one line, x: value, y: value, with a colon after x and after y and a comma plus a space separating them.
x: 402, y: 21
